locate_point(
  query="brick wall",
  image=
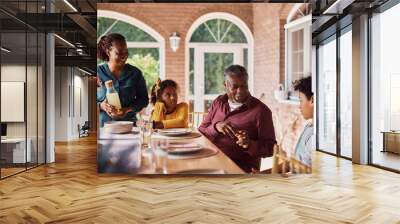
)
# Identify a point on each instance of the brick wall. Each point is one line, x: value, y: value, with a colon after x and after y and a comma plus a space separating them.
x: 264, y: 20
x: 177, y: 17
x: 269, y: 68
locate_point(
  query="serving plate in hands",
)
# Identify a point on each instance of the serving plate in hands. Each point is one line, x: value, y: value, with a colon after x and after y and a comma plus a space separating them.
x: 175, y: 131
x: 118, y: 127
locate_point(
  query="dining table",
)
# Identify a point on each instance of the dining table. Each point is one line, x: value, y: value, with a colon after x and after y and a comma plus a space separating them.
x: 124, y: 153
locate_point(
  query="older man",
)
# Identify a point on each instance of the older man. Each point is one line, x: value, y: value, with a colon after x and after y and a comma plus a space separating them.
x: 239, y: 124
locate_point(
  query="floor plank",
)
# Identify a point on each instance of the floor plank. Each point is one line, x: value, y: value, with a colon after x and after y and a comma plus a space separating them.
x: 71, y: 191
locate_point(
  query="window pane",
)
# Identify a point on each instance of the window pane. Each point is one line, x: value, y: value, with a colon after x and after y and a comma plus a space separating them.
x: 103, y: 24
x: 31, y: 101
x: 346, y: 94
x: 129, y: 31
x: 191, y: 71
x: 218, y: 31
x: 202, y: 34
x: 296, y: 63
x: 207, y: 105
x: 246, y: 58
x: 234, y: 35
x: 214, y: 65
x: 13, y: 85
x: 327, y: 97
x: 385, y: 88
x: 41, y: 99
x: 147, y: 60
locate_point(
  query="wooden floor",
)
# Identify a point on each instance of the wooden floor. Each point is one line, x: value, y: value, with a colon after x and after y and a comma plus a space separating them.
x: 387, y: 159
x: 70, y: 191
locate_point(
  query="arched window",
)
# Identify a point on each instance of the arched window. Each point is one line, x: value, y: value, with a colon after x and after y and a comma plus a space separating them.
x: 214, y: 42
x: 145, y: 45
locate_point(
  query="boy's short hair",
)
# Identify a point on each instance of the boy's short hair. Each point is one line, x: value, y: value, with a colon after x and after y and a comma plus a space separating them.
x: 304, y: 85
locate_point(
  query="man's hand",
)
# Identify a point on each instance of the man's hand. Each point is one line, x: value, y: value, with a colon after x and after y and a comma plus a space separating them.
x: 243, y: 139
x: 225, y: 128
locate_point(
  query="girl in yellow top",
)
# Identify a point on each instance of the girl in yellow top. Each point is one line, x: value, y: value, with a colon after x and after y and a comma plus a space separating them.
x: 167, y: 113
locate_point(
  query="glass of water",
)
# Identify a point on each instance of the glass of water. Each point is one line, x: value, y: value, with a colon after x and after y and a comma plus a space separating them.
x: 148, y: 163
x: 146, y: 131
x: 161, y: 156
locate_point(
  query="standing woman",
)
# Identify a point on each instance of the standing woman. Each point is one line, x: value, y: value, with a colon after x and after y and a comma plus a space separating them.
x: 127, y: 80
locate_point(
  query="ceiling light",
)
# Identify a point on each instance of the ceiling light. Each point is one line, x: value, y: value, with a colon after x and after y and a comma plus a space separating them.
x: 5, y: 49
x: 70, y: 5
x: 64, y: 40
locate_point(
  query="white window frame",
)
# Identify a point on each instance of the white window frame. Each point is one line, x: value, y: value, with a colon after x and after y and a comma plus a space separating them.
x: 160, y: 44
x: 210, y: 47
x: 199, y: 55
x: 305, y: 24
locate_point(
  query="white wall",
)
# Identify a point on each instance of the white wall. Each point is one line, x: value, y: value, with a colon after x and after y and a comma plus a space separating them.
x: 17, y: 73
x: 34, y: 124
x: 71, y: 94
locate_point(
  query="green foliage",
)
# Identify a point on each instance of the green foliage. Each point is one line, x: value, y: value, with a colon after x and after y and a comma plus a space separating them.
x: 146, y: 59
x: 222, y: 31
x: 129, y: 31
x: 202, y: 35
x: 149, y: 66
x: 103, y: 24
x: 191, y: 71
x: 215, y: 64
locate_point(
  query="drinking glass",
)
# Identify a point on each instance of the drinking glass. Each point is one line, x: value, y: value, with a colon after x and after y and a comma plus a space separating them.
x: 148, y: 163
x: 161, y: 156
x: 146, y: 131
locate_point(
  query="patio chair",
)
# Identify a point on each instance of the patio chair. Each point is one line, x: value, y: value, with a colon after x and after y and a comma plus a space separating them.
x: 284, y: 165
x: 196, y: 118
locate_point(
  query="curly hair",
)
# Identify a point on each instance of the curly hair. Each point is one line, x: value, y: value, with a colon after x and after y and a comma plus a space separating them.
x: 158, y: 88
x: 304, y: 86
x: 105, y: 44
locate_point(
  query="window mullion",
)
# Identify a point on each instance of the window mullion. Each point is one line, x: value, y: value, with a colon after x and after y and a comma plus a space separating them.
x: 212, y: 34
x: 108, y: 29
x: 227, y: 30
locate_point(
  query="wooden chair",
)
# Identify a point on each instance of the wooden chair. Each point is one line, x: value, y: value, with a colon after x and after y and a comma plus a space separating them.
x: 281, y: 163
x: 285, y: 165
x: 196, y: 118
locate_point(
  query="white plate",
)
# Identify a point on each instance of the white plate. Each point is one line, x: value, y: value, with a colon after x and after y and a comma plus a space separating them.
x: 174, y: 131
x: 201, y: 171
x: 183, y: 148
x: 118, y: 127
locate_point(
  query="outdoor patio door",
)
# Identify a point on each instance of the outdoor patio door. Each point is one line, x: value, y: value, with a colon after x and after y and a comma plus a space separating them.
x: 209, y: 65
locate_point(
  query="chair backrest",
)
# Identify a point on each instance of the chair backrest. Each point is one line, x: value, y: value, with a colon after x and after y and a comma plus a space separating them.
x: 196, y: 118
x: 283, y: 164
x: 279, y: 161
